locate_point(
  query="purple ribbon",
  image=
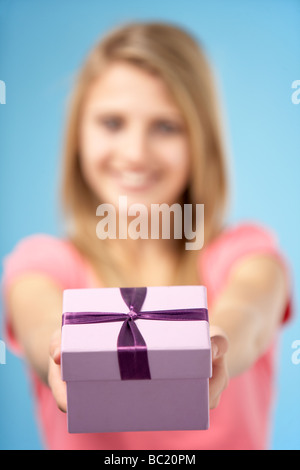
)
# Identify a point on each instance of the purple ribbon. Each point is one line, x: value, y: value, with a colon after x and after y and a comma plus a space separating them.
x: 131, y: 346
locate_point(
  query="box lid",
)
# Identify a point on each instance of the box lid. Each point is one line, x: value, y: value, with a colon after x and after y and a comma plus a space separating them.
x: 176, y: 349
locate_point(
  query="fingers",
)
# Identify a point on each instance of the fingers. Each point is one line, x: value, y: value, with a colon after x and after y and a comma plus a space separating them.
x: 219, y: 346
x: 219, y: 340
x: 56, y: 384
x: 219, y: 379
x: 218, y: 382
x: 55, y: 346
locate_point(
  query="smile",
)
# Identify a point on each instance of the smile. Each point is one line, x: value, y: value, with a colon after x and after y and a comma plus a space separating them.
x: 133, y: 180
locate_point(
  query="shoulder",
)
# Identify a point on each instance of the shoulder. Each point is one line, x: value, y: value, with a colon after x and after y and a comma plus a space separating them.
x: 242, y: 239
x: 39, y: 241
x: 233, y: 245
x: 250, y: 232
x: 44, y: 254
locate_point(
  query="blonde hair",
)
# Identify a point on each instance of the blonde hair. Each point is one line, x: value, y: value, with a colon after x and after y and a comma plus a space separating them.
x: 172, y: 54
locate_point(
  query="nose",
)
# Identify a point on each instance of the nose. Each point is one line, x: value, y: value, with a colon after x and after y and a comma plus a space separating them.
x: 134, y: 145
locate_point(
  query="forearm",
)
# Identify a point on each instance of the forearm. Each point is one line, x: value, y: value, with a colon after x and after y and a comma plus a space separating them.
x: 250, y: 310
x: 245, y: 336
x: 36, y: 348
x: 35, y: 306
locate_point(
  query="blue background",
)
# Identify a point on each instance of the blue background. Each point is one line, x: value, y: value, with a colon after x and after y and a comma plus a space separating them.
x: 254, y: 47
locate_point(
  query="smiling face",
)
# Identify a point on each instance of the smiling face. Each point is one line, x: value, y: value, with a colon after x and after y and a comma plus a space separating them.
x: 133, y: 139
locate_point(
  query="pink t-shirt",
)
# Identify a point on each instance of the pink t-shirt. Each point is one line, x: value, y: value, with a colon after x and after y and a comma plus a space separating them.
x: 242, y: 419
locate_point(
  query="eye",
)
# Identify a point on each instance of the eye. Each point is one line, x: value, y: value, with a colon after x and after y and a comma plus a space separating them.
x: 111, y: 123
x: 167, y: 127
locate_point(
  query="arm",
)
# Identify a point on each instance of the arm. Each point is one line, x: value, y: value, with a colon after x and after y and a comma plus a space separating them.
x: 35, y: 308
x: 250, y: 308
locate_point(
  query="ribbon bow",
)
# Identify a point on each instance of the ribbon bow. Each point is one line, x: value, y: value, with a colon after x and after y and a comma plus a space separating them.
x: 131, y: 346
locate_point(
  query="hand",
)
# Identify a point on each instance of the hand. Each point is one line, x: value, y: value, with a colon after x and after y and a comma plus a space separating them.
x: 55, y: 382
x: 219, y: 380
x: 217, y: 383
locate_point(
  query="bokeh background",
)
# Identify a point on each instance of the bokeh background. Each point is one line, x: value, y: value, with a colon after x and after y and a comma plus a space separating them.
x: 254, y: 47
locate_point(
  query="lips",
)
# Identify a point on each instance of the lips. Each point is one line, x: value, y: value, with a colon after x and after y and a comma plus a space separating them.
x: 134, y: 180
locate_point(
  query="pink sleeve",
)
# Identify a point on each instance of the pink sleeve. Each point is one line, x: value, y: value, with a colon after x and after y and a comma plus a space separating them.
x: 43, y: 254
x: 240, y: 241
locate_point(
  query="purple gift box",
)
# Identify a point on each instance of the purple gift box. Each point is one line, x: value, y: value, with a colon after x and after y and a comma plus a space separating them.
x: 136, y: 359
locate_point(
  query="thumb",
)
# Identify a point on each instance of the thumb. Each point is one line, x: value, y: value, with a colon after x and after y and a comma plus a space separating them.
x: 55, y: 346
x: 219, y: 342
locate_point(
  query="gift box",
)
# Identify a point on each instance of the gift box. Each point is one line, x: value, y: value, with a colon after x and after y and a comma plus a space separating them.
x: 136, y: 359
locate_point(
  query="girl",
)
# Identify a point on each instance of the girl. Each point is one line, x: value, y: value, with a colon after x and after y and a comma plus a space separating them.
x: 144, y: 123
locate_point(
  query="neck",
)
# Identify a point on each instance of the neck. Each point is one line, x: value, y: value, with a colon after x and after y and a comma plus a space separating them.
x: 140, y: 251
